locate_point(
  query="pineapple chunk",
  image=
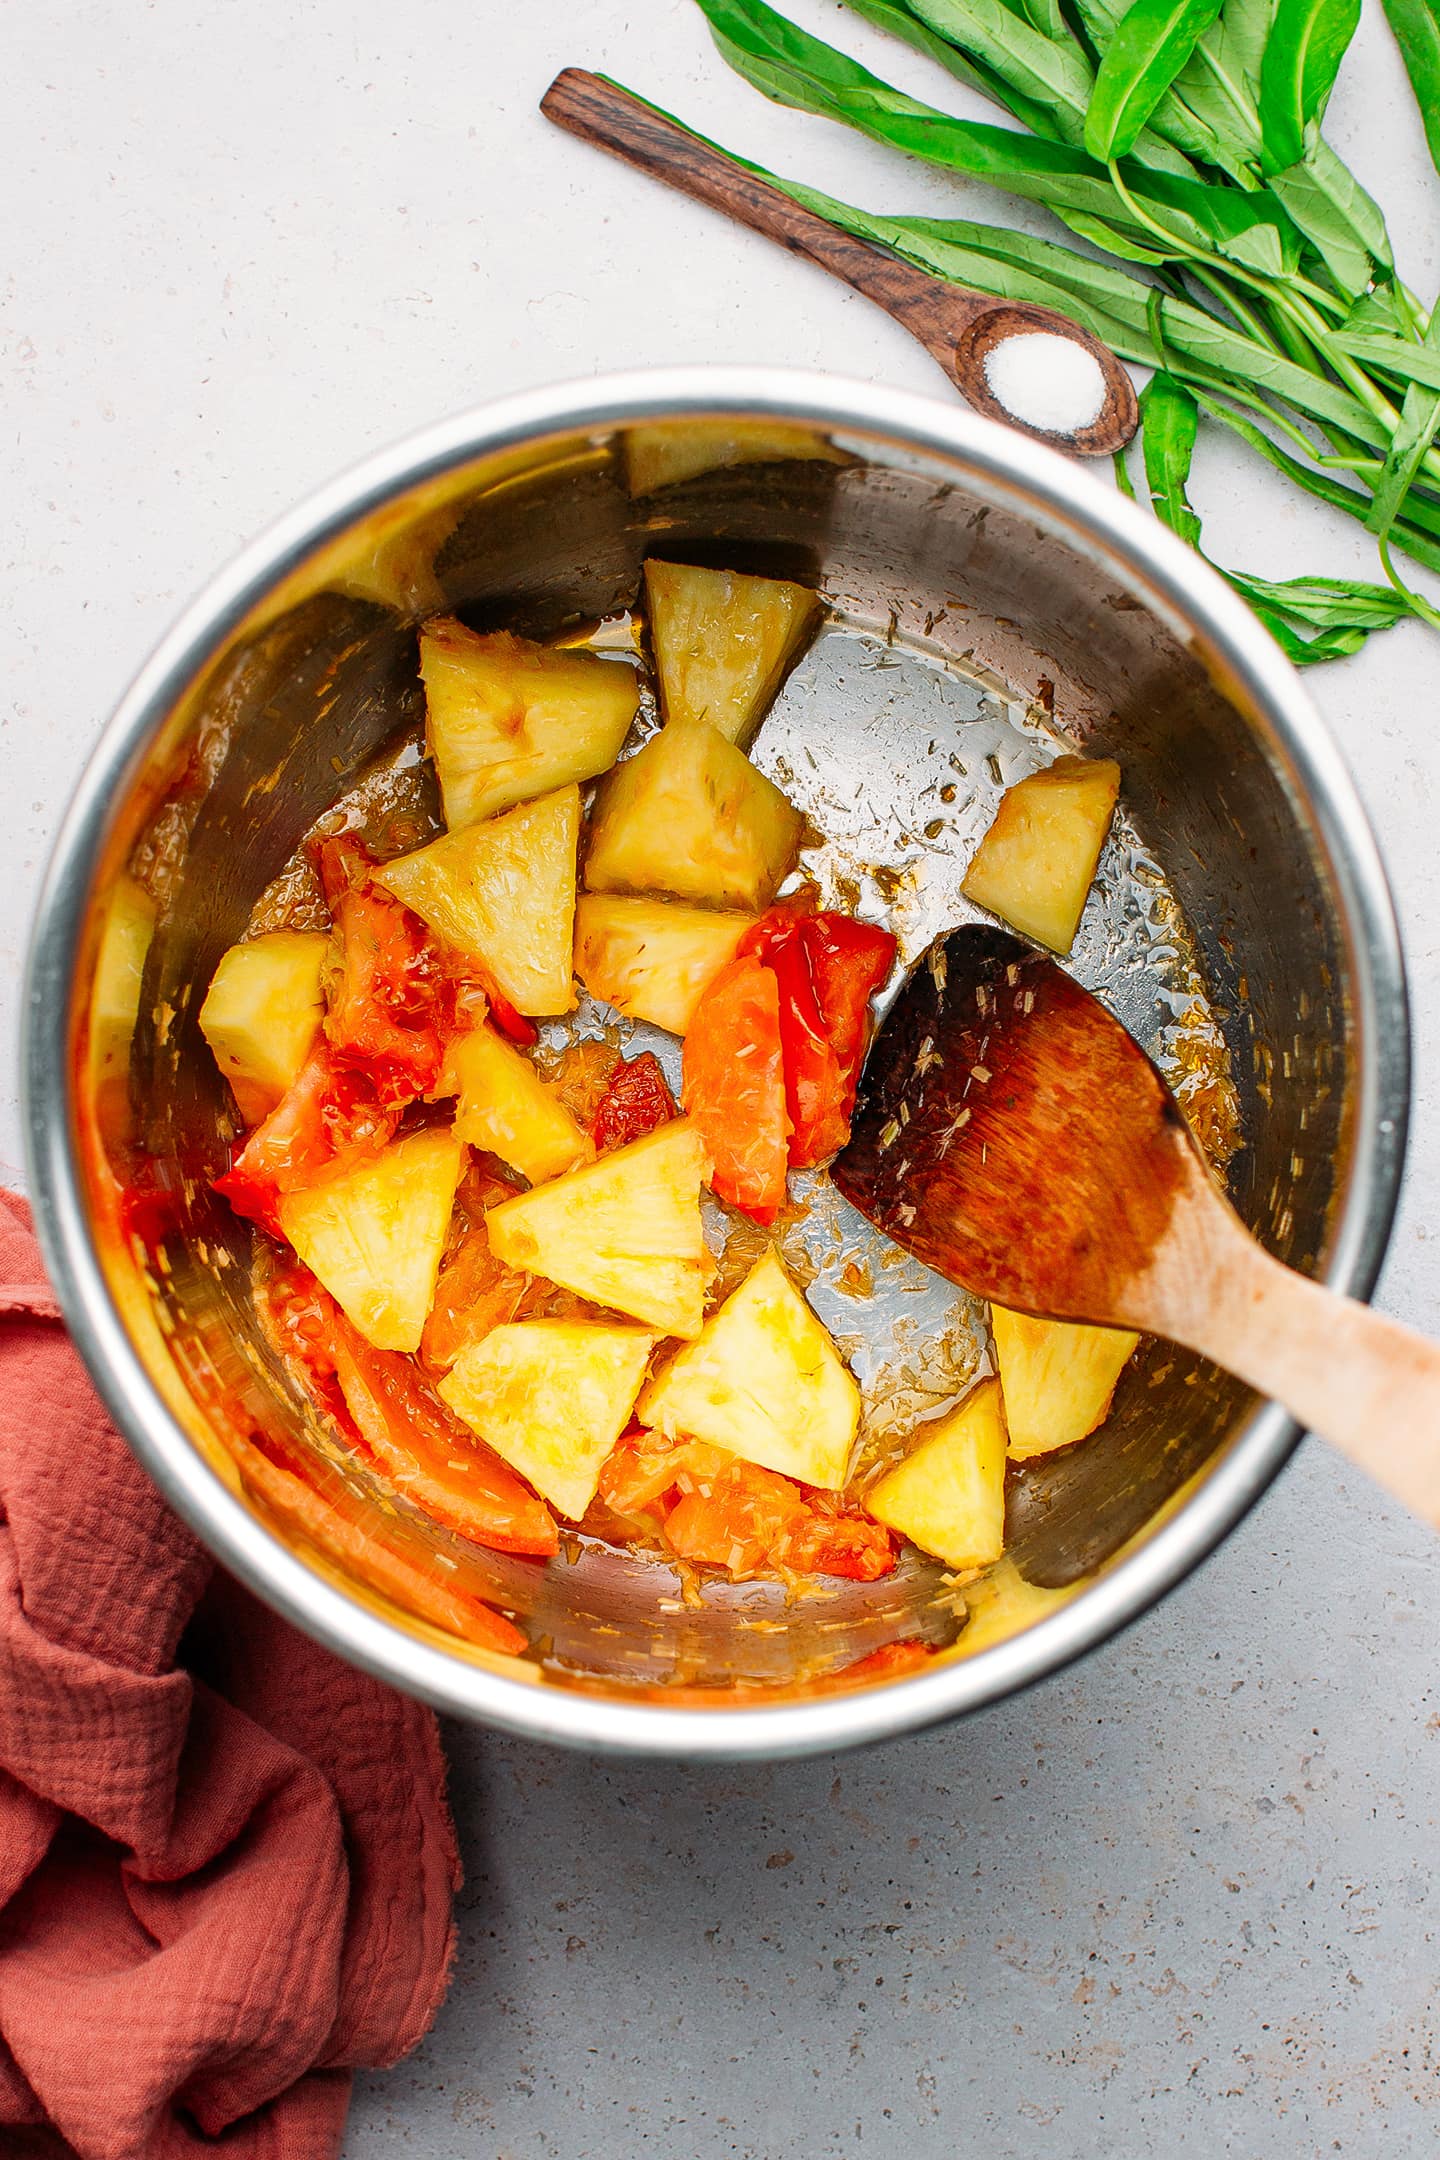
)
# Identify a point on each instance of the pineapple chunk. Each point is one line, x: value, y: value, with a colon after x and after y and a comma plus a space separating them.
x: 374, y: 1236
x: 263, y: 1013
x: 508, y: 720
x: 948, y: 1496
x: 504, y: 892
x: 659, y: 455
x: 1034, y: 866
x: 724, y: 642
x: 763, y: 1381
x: 1057, y: 1378
x: 115, y: 997
x: 689, y: 815
x: 506, y: 1108
x: 652, y: 959
x: 552, y: 1397
x: 624, y: 1231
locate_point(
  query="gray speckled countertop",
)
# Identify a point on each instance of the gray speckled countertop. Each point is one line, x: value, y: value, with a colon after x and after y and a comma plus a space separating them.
x: 1177, y: 1901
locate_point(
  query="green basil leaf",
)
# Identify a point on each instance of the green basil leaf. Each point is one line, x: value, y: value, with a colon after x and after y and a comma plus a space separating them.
x: 1054, y: 75
x: 1044, y: 16
x: 896, y: 17
x: 1397, y: 356
x: 1337, y: 217
x: 1206, y: 136
x: 1152, y: 42
x: 1299, y: 651
x: 1327, y: 603
x: 1419, y: 424
x: 1057, y: 75
x: 1168, y: 417
x: 1307, y: 42
x: 1416, y: 24
x: 1409, y: 533
x: 796, y: 69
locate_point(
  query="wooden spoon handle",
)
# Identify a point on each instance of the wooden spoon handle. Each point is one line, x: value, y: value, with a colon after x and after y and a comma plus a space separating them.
x: 1364, y: 1383
x: 601, y: 113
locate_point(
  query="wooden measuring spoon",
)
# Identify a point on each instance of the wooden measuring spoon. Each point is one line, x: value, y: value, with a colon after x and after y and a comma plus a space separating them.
x: 1012, y: 1135
x: 958, y: 327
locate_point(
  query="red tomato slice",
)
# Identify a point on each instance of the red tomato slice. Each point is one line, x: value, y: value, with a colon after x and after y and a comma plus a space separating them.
x: 513, y: 1025
x: 848, y: 1545
x: 849, y: 961
x: 330, y: 1119
x: 381, y: 1400
x: 383, y: 1001
x: 475, y: 1293
x: 430, y: 1457
x: 733, y: 1514
x: 827, y: 966
x: 357, y: 1544
x: 636, y: 1101
x: 814, y: 1084
x: 737, y: 1520
x: 734, y: 1087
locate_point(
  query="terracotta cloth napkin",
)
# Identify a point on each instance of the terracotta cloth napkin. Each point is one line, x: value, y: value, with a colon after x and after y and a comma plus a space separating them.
x: 226, y: 1860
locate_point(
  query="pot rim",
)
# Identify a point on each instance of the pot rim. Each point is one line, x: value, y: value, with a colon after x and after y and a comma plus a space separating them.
x: 1176, y: 582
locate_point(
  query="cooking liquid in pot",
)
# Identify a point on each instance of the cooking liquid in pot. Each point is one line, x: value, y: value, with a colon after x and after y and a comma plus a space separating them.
x: 897, y: 759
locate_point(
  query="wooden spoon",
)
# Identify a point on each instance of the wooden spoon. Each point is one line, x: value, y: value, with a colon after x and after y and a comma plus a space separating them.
x: 1013, y: 1136
x: 958, y: 327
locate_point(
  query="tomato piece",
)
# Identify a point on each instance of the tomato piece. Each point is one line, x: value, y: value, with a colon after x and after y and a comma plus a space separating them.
x: 354, y: 1540
x: 643, y: 1469
x: 298, y: 1317
x: 637, y: 1101
x: 814, y: 1084
x: 391, y: 992
x: 736, y: 1519
x: 513, y: 1025
x: 889, y: 1662
x: 777, y: 923
x: 475, y: 1292
x: 848, y: 1545
x: 849, y: 961
x: 331, y: 1118
x: 827, y: 966
x: 383, y: 999
x: 734, y: 1087
x: 429, y: 1456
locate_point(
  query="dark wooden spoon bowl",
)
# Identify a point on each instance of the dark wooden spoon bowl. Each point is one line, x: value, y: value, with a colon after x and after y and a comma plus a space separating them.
x: 957, y: 326
x: 1013, y: 1136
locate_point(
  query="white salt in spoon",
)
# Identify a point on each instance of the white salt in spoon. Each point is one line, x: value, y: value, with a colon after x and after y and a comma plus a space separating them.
x: 1014, y: 361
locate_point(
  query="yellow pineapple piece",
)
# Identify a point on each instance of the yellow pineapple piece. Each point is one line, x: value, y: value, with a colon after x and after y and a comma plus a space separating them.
x: 723, y: 642
x: 652, y: 959
x: 1057, y: 1378
x: 375, y: 1234
x: 1035, y: 865
x: 506, y: 1108
x: 948, y: 1496
x: 690, y: 815
x: 658, y: 455
x: 508, y: 720
x: 263, y: 1012
x: 552, y: 1397
x: 504, y: 892
x: 624, y: 1231
x: 764, y: 1381
x: 115, y: 998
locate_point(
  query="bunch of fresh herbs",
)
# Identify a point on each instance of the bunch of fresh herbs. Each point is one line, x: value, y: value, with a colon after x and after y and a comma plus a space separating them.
x: 1181, y: 138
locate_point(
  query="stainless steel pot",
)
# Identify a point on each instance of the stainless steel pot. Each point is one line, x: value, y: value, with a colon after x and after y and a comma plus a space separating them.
x: 295, y: 667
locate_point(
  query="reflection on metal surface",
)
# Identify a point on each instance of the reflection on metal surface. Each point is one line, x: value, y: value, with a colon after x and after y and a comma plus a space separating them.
x: 957, y: 557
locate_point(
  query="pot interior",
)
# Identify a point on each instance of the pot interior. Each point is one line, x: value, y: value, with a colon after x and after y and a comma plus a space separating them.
x: 967, y: 623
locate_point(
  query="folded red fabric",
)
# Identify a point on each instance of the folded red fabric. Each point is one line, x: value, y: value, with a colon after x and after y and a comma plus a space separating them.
x: 226, y: 1861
